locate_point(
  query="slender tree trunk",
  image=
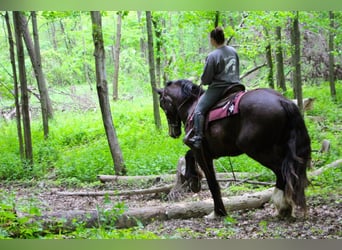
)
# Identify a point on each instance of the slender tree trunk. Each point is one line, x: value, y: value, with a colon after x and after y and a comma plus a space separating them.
x: 16, y: 90
x: 34, y: 53
x: 297, y: 77
x: 23, y: 86
x: 158, y: 33
x: 47, y: 111
x: 65, y: 35
x: 117, y: 56
x: 217, y: 18
x: 269, y: 61
x: 53, y: 35
x: 42, y: 80
x: 102, y: 91
x: 142, y: 39
x: 156, y: 113
x: 280, y: 61
x: 270, y: 66
x: 331, y: 56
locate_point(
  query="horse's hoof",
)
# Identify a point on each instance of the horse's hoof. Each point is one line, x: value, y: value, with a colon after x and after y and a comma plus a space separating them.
x: 212, y: 216
x: 195, y: 186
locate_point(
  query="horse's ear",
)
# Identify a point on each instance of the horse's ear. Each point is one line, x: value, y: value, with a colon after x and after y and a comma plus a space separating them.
x: 158, y: 91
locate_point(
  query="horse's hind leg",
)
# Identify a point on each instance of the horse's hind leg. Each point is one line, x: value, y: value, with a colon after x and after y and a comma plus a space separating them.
x: 271, y: 159
x: 285, y: 207
x: 206, y: 164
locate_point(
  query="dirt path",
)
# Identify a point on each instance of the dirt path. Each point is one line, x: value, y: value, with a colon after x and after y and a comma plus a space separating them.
x: 324, y: 217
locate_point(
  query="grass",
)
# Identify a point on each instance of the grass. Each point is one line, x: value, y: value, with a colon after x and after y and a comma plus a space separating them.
x: 77, y: 148
x: 77, y: 151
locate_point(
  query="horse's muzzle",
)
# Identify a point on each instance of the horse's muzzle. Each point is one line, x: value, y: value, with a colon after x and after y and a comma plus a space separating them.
x: 174, y: 131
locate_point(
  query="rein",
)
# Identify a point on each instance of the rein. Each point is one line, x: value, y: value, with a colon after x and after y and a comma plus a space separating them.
x: 184, y: 102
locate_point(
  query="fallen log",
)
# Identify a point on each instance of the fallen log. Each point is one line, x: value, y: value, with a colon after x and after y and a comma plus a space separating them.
x: 158, y: 178
x: 65, y: 220
x: 119, y: 178
x: 335, y: 164
x: 185, y: 210
x: 162, y: 189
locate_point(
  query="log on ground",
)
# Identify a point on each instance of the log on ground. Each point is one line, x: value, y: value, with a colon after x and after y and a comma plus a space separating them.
x: 66, y: 220
x: 182, y: 210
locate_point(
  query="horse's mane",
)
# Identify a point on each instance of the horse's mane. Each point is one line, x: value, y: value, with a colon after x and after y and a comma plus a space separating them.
x: 188, y: 88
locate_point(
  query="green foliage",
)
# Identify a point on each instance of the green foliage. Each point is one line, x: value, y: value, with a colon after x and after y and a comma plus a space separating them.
x: 14, y: 226
x: 18, y: 219
x: 77, y: 150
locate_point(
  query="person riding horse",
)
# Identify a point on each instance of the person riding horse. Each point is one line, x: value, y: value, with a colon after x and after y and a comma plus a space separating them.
x: 221, y: 70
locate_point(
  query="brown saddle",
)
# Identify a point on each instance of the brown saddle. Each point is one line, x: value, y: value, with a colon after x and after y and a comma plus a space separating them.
x: 228, y: 93
x: 226, y: 106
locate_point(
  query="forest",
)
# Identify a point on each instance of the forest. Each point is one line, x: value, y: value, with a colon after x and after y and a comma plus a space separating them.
x: 77, y: 102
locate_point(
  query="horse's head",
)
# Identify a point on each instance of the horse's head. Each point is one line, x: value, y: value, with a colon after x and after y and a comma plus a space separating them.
x: 167, y: 101
x: 172, y: 100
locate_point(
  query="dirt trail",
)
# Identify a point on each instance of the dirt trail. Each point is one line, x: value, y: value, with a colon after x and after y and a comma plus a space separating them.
x: 324, y: 217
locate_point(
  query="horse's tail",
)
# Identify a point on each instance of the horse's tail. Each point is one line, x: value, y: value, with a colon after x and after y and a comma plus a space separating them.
x: 298, y: 157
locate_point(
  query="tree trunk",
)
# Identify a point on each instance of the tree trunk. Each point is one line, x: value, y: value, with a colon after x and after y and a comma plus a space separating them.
x: 65, y: 35
x: 117, y: 56
x: 16, y: 89
x: 156, y: 113
x: 23, y: 87
x: 217, y: 18
x: 297, y: 77
x: 331, y: 56
x: 142, y: 39
x: 42, y: 85
x: 280, y: 61
x: 244, y: 16
x: 158, y: 33
x: 34, y: 53
x: 269, y: 61
x: 53, y: 35
x: 102, y: 91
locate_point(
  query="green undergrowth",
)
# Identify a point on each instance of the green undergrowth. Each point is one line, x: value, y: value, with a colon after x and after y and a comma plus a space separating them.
x: 77, y: 150
x: 21, y: 219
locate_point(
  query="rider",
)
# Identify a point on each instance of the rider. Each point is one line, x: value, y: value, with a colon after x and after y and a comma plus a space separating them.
x: 221, y: 70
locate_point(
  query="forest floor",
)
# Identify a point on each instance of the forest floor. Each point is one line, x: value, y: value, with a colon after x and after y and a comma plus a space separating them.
x: 324, y: 220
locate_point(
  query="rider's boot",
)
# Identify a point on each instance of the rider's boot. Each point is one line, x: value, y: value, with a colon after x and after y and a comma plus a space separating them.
x: 196, y: 140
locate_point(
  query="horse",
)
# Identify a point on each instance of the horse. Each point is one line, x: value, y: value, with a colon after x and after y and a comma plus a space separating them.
x: 268, y: 127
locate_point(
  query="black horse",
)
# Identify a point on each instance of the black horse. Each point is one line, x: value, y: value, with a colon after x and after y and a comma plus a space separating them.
x: 268, y: 128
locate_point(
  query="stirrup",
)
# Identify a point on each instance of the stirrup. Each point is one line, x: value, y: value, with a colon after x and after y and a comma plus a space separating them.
x: 196, y: 141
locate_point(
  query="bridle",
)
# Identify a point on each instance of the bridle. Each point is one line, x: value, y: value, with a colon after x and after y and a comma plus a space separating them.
x: 180, y: 108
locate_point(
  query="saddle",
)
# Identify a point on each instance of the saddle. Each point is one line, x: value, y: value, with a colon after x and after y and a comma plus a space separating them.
x: 227, y: 106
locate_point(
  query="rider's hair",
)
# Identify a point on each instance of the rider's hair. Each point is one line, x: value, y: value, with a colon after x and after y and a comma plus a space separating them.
x: 218, y: 35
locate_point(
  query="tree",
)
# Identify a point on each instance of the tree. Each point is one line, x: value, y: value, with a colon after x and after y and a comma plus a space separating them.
x: 23, y: 87
x: 142, y: 41
x: 217, y: 18
x: 156, y: 20
x: 331, y: 56
x: 269, y: 61
x: 152, y: 69
x: 102, y: 92
x: 279, y: 60
x: 297, y: 77
x: 16, y: 89
x: 117, y: 55
x: 34, y: 53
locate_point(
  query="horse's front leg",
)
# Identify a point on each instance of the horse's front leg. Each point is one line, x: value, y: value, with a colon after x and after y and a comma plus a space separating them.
x: 206, y: 164
x: 192, y: 173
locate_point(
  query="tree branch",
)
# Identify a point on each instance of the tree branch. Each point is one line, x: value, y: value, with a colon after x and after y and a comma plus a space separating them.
x: 252, y: 70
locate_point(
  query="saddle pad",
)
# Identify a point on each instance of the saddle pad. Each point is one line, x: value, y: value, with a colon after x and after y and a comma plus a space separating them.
x: 229, y: 109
